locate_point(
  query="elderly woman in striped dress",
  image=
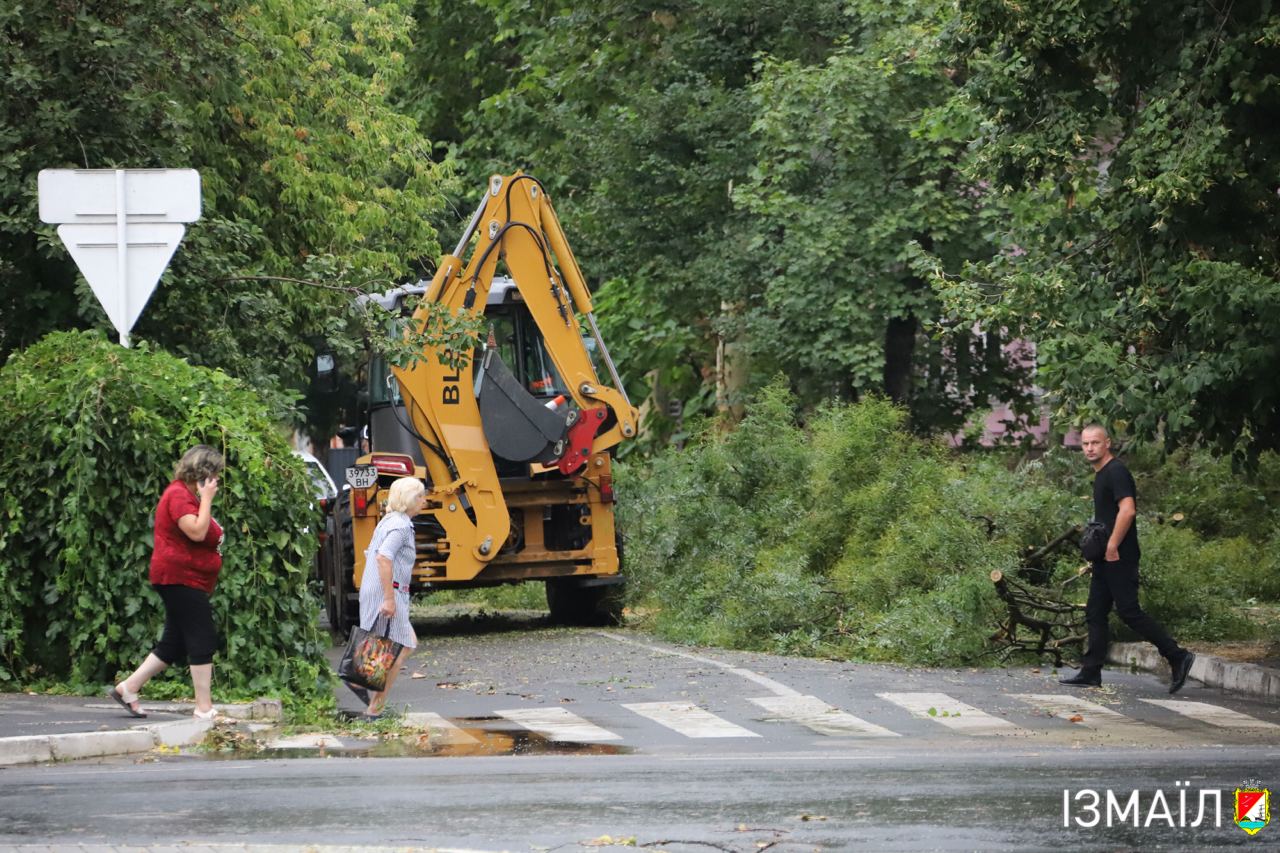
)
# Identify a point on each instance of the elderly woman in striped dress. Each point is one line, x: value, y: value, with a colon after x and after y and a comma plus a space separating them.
x: 384, y: 587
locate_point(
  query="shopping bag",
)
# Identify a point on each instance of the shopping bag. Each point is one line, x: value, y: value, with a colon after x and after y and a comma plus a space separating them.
x: 368, y: 657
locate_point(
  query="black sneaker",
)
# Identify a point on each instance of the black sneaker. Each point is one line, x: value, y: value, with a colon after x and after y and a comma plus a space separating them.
x: 1181, y: 669
x: 1083, y: 678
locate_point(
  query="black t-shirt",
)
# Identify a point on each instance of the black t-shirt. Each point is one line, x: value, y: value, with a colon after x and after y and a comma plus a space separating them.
x: 1110, y: 485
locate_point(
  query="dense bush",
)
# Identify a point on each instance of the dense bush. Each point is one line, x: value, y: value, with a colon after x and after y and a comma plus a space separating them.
x: 1192, y: 584
x: 89, y: 434
x: 846, y: 536
x: 1216, y: 499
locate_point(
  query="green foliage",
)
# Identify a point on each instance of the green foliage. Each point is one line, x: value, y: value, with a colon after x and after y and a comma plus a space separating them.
x: 846, y: 536
x: 859, y: 166
x: 1132, y: 148
x: 520, y: 596
x: 1193, y: 585
x: 83, y: 86
x: 315, y: 188
x: 787, y: 178
x: 763, y: 175
x: 639, y: 121
x: 814, y: 538
x: 1216, y: 500
x: 87, y: 444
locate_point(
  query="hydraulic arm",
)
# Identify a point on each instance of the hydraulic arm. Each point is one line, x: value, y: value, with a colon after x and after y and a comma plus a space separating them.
x: 464, y: 416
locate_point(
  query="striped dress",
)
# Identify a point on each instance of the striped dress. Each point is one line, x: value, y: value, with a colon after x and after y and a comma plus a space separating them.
x: 393, y: 539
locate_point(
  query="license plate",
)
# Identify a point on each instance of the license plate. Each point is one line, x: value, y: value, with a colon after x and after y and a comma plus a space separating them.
x: 362, y: 476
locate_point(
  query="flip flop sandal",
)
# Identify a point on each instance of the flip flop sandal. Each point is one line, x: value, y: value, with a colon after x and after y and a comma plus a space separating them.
x: 361, y: 693
x: 127, y: 701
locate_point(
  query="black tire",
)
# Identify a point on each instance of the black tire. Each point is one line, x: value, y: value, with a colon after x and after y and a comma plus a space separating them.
x: 342, y: 601
x: 562, y: 602
x: 571, y: 603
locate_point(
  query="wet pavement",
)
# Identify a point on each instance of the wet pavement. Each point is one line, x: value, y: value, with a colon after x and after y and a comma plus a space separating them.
x: 511, y: 685
x: 581, y: 739
x: 838, y: 799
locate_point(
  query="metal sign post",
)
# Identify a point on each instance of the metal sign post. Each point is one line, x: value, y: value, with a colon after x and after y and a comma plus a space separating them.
x: 121, y: 227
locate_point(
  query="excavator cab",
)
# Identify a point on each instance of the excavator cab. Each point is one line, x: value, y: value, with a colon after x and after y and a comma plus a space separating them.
x: 515, y: 339
x: 516, y: 448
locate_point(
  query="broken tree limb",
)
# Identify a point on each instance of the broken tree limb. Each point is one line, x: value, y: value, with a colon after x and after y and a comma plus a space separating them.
x: 1048, y: 623
x: 1036, y: 558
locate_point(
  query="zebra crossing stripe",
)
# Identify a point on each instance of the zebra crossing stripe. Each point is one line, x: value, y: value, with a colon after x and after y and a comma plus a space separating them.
x: 1092, y: 714
x: 951, y: 713
x: 688, y: 719
x: 1212, y: 714
x: 442, y: 731
x: 559, y: 725
x: 811, y: 712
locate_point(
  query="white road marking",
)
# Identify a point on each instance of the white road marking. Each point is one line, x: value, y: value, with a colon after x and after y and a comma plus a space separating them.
x: 688, y: 719
x: 1093, y: 715
x: 767, y: 683
x: 559, y: 725
x: 951, y: 713
x: 811, y: 712
x: 1212, y: 714
x: 441, y: 730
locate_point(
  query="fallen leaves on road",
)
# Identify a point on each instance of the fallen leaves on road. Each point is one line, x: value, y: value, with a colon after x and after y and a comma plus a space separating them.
x: 1076, y: 718
x: 418, y: 675
x: 610, y: 841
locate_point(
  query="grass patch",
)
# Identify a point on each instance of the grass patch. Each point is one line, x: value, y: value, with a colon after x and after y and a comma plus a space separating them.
x: 520, y: 596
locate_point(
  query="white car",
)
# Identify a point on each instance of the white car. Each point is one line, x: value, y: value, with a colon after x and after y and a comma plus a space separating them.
x: 323, y: 487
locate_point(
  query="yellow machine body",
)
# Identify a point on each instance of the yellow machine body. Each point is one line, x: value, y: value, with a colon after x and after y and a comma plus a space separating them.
x: 490, y: 528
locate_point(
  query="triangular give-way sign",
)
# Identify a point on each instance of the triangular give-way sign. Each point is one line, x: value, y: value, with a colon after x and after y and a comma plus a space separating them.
x: 121, y: 227
x: 150, y: 248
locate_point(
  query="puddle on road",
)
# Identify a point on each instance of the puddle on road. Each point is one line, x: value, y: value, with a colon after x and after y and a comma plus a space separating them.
x: 472, y: 737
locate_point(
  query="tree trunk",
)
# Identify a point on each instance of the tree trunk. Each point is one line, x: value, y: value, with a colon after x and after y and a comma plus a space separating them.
x: 899, y: 347
x: 731, y: 373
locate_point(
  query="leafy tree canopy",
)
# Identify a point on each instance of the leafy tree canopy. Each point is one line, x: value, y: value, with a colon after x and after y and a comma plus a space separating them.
x: 309, y: 174
x: 755, y: 174
x: 1135, y: 149
x: 858, y: 169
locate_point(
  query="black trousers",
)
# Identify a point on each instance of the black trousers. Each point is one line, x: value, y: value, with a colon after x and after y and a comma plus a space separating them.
x: 189, y: 633
x: 1116, y: 585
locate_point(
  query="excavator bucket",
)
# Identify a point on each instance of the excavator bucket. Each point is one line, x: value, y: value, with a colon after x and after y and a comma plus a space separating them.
x: 517, y: 425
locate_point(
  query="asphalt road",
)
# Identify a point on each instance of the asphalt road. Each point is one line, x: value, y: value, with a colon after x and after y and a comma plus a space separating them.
x: 837, y: 800
x: 555, y: 739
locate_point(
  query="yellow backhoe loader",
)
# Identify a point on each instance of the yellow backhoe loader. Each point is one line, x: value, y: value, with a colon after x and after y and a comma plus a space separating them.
x: 516, y: 448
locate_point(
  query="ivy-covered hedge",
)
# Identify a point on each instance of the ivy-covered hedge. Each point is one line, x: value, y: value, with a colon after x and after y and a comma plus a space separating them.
x: 846, y: 536
x: 89, y: 433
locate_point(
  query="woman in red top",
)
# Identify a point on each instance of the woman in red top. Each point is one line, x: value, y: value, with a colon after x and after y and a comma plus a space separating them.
x: 184, y: 569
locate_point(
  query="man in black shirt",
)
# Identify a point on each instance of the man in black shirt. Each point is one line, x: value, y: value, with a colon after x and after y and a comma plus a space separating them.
x: 1115, y: 576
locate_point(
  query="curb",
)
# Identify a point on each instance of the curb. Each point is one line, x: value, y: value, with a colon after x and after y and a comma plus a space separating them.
x: 1246, y: 679
x: 25, y: 750
x: 33, y: 749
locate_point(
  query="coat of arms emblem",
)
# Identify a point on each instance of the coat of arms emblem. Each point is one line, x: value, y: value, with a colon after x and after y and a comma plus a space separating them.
x: 1253, y: 809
